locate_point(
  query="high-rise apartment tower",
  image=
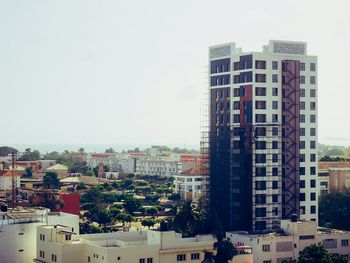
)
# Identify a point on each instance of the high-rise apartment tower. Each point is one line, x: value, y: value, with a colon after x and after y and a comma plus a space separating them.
x: 262, y: 135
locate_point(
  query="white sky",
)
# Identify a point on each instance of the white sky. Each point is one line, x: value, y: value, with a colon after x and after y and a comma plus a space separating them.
x: 131, y: 72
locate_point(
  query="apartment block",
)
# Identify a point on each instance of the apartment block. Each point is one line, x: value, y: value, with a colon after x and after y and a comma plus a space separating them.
x: 294, y: 236
x: 262, y: 134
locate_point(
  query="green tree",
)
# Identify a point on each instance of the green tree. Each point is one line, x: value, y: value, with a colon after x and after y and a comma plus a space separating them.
x: 51, y: 180
x: 115, y: 185
x: 151, y: 211
x: 81, y: 186
x: 334, y: 210
x: 30, y: 155
x: 90, y: 172
x: 28, y: 172
x: 314, y: 253
x: 174, y: 197
x: 109, y: 150
x: 225, y: 251
x: 124, y: 217
x: 148, y: 222
x: 131, y: 204
x: 188, y: 220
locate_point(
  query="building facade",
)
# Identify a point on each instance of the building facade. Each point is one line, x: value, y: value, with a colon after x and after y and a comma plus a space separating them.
x: 287, y: 244
x: 262, y: 134
x: 18, y: 230
x: 189, y: 184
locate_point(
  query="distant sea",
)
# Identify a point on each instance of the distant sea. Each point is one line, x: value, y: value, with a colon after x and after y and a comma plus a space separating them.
x: 45, y: 148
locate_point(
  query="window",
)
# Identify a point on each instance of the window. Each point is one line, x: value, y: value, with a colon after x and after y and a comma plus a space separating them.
x: 274, y: 184
x: 236, y: 65
x: 345, y: 243
x: 260, y: 158
x: 312, y: 93
x: 313, y: 118
x: 266, y: 248
x: 260, y: 118
x: 260, y: 104
x: 313, y: 131
x: 302, y: 196
x: 302, y: 66
x: 312, y: 80
x: 302, y: 118
x: 312, y: 66
x: 260, y: 212
x: 274, y: 65
x: 312, y: 105
x: 260, y: 78
x: 149, y: 260
x: 306, y: 237
x: 313, y: 209
x: 274, y: 131
x: 302, y: 183
x: 302, y: 170
x: 89, y: 259
x: 267, y: 261
x: 42, y: 254
x: 236, y: 118
x: 259, y: 91
x: 274, y: 158
x: 302, y: 79
x: 260, y: 145
x: 181, y: 257
x: 260, y: 64
x: 118, y: 258
x: 313, y: 183
x: 274, y: 78
x: 274, y: 118
x: 313, y: 145
x: 302, y: 93
x: 142, y: 260
x: 302, y: 210
x: 302, y: 158
x: 274, y: 198
x: 260, y: 199
x: 313, y: 196
x: 260, y: 225
x: 260, y: 131
x: 312, y: 157
x: 260, y: 171
x: 274, y: 171
x: 53, y: 258
x: 275, y: 105
x: 274, y: 91
x: 302, y: 131
x: 236, y: 105
x: 275, y: 145
x: 302, y: 144
x: 68, y: 237
x: 195, y: 256
x: 260, y: 185
x: 313, y: 170
x: 302, y: 105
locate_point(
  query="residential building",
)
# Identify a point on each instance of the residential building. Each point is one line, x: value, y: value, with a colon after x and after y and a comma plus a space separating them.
x: 61, y: 244
x: 286, y: 244
x: 18, y: 230
x: 60, y: 169
x: 157, y: 166
x: 6, y: 180
x: 262, y: 134
x: 189, y: 184
x: 115, y: 162
x: 333, y: 176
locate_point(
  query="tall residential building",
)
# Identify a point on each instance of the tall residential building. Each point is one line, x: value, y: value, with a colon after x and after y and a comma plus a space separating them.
x: 262, y: 134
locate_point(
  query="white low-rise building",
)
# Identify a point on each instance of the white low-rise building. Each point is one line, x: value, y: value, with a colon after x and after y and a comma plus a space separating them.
x: 157, y: 166
x: 18, y: 231
x: 189, y: 184
x: 6, y: 180
x: 294, y: 236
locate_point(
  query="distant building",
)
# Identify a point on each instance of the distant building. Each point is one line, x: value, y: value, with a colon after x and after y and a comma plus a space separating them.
x: 274, y: 247
x: 62, y: 245
x: 189, y: 184
x: 115, y: 162
x: 18, y: 231
x: 60, y: 169
x: 157, y: 166
x: 333, y: 176
x: 6, y: 180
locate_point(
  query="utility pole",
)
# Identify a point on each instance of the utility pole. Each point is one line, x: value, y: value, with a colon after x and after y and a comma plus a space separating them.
x: 14, y: 183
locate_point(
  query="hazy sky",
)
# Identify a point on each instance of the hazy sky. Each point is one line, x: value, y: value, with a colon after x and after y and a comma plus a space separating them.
x: 131, y: 72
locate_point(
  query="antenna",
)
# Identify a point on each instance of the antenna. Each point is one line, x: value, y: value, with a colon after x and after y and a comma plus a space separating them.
x: 14, y: 183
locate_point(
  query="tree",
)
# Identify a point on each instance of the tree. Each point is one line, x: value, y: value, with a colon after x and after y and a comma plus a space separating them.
x: 81, y: 186
x: 90, y: 173
x: 188, y: 220
x: 152, y: 211
x: 30, y: 155
x: 174, y: 197
x: 335, y: 151
x: 5, y: 150
x: 124, y: 217
x: 208, y: 257
x: 131, y: 204
x: 334, y: 210
x: 51, y: 180
x: 314, y: 253
x: 28, y: 172
x: 148, y: 222
x: 81, y: 151
x: 328, y: 158
x: 109, y: 150
x: 225, y: 251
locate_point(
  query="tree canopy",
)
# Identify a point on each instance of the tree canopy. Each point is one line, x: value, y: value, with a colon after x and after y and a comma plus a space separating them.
x: 51, y: 180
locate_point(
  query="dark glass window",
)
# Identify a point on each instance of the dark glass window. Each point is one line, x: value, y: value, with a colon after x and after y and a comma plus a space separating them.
x: 260, y: 171
x: 260, y: 212
x: 260, y: 199
x: 260, y: 185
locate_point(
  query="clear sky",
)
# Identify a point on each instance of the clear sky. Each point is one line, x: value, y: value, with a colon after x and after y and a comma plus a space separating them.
x: 131, y: 72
